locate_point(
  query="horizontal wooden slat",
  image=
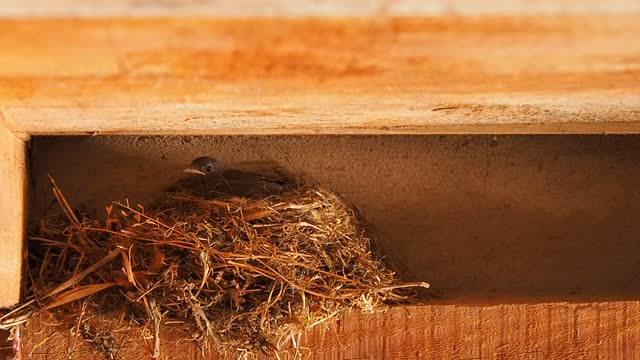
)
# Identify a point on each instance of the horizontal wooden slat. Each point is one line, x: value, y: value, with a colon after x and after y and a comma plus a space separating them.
x: 554, y: 74
x: 543, y: 331
x: 308, y: 7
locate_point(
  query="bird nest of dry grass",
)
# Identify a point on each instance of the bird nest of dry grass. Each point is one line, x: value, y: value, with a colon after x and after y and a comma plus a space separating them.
x: 241, y: 275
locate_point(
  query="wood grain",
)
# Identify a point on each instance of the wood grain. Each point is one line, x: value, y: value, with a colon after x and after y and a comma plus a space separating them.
x: 12, y: 214
x: 541, y: 331
x: 550, y: 74
x: 499, y: 74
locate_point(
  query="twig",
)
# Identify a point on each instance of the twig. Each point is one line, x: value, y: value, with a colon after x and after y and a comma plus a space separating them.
x: 77, y: 278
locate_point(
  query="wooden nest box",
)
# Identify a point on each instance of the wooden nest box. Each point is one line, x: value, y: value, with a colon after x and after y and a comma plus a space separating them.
x: 496, y: 149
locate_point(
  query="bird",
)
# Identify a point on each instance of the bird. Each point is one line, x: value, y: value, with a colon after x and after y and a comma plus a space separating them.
x: 210, y: 178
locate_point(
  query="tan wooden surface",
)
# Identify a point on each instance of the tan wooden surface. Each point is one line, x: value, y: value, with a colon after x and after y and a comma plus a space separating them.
x: 550, y: 74
x: 543, y: 331
x: 12, y: 214
x: 554, y: 74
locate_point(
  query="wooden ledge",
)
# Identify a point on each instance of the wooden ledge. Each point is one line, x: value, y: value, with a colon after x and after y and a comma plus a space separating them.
x: 542, y: 331
x: 553, y: 74
x: 483, y: 75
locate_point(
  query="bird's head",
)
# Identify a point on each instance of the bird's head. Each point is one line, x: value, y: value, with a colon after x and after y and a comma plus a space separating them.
x: 203, y: 165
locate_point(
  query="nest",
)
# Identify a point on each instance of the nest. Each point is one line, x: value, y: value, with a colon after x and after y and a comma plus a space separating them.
x: 242, y: 275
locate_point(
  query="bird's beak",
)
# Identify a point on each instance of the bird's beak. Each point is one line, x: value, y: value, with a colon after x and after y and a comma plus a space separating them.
x: 194, y: 171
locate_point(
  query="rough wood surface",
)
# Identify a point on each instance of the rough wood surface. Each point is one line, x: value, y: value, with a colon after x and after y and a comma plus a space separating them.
x: 543, y: 331
x: 553, y: 74
x: 246, y: 8
x: 12, y: 214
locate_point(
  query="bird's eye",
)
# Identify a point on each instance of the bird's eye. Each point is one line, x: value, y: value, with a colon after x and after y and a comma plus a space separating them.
x: 209, y: 168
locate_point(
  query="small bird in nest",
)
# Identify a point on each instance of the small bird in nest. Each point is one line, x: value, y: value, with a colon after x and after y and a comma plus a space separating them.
x: 211, y: 178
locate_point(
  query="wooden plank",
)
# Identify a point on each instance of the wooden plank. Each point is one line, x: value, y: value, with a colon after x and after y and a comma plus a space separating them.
x: 553, y: 74
x: 12, y: 214
x: 244, y: 8
x: 542, y: 331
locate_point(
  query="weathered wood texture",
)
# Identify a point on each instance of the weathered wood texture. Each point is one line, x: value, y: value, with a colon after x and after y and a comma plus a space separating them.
x: 549, y: 74
x: 246, y: 8
x: 543, y: 331
x: 12, y: 214
x: 263, y: 76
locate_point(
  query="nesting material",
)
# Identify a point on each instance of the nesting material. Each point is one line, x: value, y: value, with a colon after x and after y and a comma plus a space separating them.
x: 241, y: 275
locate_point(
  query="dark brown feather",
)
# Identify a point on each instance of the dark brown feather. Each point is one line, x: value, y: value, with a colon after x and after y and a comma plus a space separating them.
x: 243, y: 179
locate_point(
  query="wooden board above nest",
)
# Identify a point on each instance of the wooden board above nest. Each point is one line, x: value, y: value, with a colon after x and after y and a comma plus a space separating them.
x: 238, y: 275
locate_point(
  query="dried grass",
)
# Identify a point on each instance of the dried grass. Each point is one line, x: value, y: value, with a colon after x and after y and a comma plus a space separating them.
x: 242, y: 275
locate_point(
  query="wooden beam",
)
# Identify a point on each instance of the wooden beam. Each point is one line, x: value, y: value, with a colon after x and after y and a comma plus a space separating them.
x: 13, y: 183
x: 554, y: 74
x: 542, y: 331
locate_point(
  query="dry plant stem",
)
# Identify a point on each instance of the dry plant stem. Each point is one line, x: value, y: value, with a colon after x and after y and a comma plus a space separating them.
x: 64, y: 204
x: 77, y: 293
x: 421, y: 284
x: 86, y: 272
x: 157, y: 317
